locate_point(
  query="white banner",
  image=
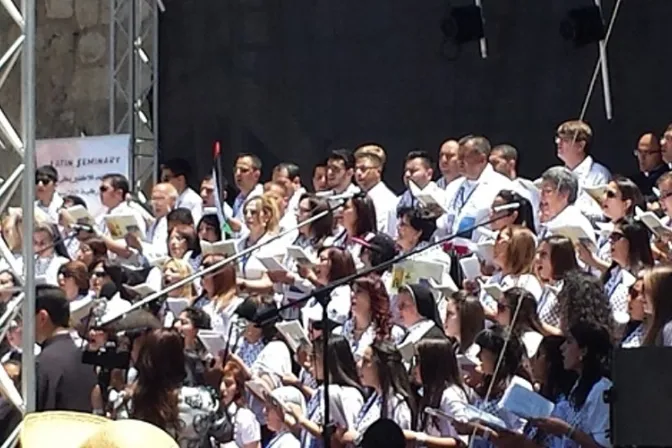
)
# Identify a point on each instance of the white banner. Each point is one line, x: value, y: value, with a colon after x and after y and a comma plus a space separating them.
x: 82, y: 162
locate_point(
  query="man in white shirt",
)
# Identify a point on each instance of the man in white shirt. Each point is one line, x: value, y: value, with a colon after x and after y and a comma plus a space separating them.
x: 417, y: 168
x: 504, y: 160
x: 369, y: 165
x: 114, y: 190
x: 177, y: 172
x: 559, y: 192
x: 469, y: 199
x: 448, y: 163
x: 573, y: 142
x: 48, y: 200
x: 164, y: 198
x: 247, y: 171
x: 289, y: 175
x: 340, y: 170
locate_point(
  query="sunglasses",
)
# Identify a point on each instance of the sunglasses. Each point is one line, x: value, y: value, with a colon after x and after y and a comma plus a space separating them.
x: 65, y: 274
x: 99, y: 274
x: 104, y: 188
x: 45, y: 180
x: 615, y: 237
x: 611, y: 194
x: 502, y: 306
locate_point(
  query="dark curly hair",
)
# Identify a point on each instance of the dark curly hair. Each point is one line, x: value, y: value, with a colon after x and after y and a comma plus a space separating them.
x: 582, y: 299
x: 379, y: 303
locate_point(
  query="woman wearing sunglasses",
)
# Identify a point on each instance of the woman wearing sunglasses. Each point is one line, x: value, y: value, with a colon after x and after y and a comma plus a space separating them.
x: 634, y: 332
x: 630, y: 253
x: 620, y: 199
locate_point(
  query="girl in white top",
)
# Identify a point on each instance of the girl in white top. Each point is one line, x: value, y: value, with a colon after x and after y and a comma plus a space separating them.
x: 246, y: 429
x: 630, y: 252
x: 442, y: 389
x: 370, y: 316
x: 634, y: 332
x: 288, y: 285
x: 527, y: 326
x: 359, y: 220
x: 514, y: 256
x: 586, y: 351
x: 261, y: 218
x: 221, y: 290
x: 555, y: 257
x: 381, y: 369
x: 346, y: 394
x: 47, y: 261
x: 620, y: 199
x: 333, y: 264
x: 276, y: 411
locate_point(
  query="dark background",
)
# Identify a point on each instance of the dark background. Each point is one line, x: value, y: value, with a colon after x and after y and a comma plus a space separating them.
x: 289, y: 80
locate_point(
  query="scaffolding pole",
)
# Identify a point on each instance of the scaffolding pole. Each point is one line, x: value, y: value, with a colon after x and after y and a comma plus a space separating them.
x: 133, y: 73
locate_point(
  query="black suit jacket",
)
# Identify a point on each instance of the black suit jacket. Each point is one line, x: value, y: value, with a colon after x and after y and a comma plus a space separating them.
x: 646, y: 183
x: 64, y: 383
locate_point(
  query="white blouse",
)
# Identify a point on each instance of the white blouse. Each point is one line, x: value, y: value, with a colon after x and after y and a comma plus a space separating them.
x: 528, y: 282
x: 223, y: 319
x: 250, y: 266
x: 357, y: 346
x: 452, y: 403
x: 346, y: 403
x: 397, y: 411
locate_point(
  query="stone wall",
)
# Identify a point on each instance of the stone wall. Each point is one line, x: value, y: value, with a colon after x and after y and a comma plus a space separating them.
x: 72, y: 71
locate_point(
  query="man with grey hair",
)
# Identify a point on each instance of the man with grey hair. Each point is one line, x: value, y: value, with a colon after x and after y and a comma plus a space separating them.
x: 558, y: 214
x: 469, y: 198
x: 504, y: 160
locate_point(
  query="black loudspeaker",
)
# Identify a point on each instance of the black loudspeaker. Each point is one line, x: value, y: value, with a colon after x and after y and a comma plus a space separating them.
x: 465, y: 24
x: 583, y: 26
x: 641, y: 398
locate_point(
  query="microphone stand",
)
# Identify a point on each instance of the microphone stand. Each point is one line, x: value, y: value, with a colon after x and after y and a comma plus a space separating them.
x: 220, y: 264
x: 323, y: 297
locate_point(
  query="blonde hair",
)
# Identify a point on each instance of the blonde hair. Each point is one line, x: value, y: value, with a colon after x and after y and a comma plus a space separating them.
x: 183, y: 268
x: 269, y: 208
x: 579, y: 128
x: 12, y: 232
x: 372, y: 151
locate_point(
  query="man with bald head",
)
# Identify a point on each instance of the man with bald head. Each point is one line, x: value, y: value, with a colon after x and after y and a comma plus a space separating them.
x: 448, y: 163
x: 651, y: 164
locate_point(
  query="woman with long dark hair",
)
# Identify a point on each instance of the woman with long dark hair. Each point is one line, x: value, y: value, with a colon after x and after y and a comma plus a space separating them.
x: 442, y: 388
x: 555, y: 257
x: 527, y: 326
x: 635, y: 329
x: 159, y: 396
x: 343, y: 385
x: 630, y: 253
x: 381, y: 369
x: 311, y: 238
x: 359, y: 220
x: 464, y: 319
x: 371, y: 318
x: 657, y: 286
x: 523, y: 216
x: 586, y: 351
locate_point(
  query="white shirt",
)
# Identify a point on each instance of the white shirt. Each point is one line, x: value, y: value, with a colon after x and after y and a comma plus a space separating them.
x: 442, y: 183
x: 240, y: 200
x: 157, y: 240
x: 338, y: 308
x: 48, y: 268
x: 53, y: 208
x: 593, y: 417
x: 397, y: 411
x: 191, y: 200
x: 527, y: 282
x: 590, y: 174
x: 293, y: 203
x: 452, y: 403
x: 122, y: 209
x: 469, y: 201
x: 246, y: 428
x: 223, y: 319
x: 569, y: 216
x: 250, y: 266
x: 384, y: 201
x: 284, y: 439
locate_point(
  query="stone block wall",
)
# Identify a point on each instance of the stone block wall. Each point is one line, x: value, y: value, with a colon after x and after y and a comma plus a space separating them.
x: 72, y: 58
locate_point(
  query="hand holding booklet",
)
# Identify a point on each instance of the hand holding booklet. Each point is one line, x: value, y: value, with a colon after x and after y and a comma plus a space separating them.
x: 226, y: 248
x: 430, y: 196
x: 471, y: 267
x: 525, y: 403
x: 294, y: 334
x: 301, y: 256
x: 121, y: 225
x: 653, y: 222
x: 213, y: 341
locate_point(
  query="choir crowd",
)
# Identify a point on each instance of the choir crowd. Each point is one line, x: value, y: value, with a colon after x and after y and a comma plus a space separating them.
x: 496, y: 330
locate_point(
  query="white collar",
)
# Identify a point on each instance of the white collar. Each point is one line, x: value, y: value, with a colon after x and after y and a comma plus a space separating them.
x: 583, y: 168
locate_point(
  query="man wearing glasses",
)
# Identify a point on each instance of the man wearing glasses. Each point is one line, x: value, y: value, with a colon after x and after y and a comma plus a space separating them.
x: 651, y: 165
x: 47, y: 199
x: 573, y: 140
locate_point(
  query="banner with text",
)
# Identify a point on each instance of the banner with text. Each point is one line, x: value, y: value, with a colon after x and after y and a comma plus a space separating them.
x: 82, y: 162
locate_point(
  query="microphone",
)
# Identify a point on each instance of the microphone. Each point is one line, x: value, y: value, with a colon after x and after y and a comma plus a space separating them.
x: 506, y: 207
x: 83, y: 228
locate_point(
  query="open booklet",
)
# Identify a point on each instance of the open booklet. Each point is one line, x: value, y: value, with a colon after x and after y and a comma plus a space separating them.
x: 212, y: 341
x: 121, y: 225
x: 470, y: 414
x: 226, y: 248
x: 412, y: 271
x: 177, y: 304
x: 80, y: 215
x: 653, y: 222
x: 272, y: 264
x: 525, y: 403
x: 294, y: 334
x: 574, y: 233
x: 430, y: 196
x: 302, y: 257
x: 596, y: 192
x: 471, y: 267
x: 493, y: 289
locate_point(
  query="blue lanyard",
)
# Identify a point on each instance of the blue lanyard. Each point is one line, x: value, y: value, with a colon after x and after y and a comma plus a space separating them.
x: 367, y: 407
x: 463, y: 201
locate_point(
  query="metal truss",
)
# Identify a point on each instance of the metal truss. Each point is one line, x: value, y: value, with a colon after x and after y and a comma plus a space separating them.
x: 134, y: 93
